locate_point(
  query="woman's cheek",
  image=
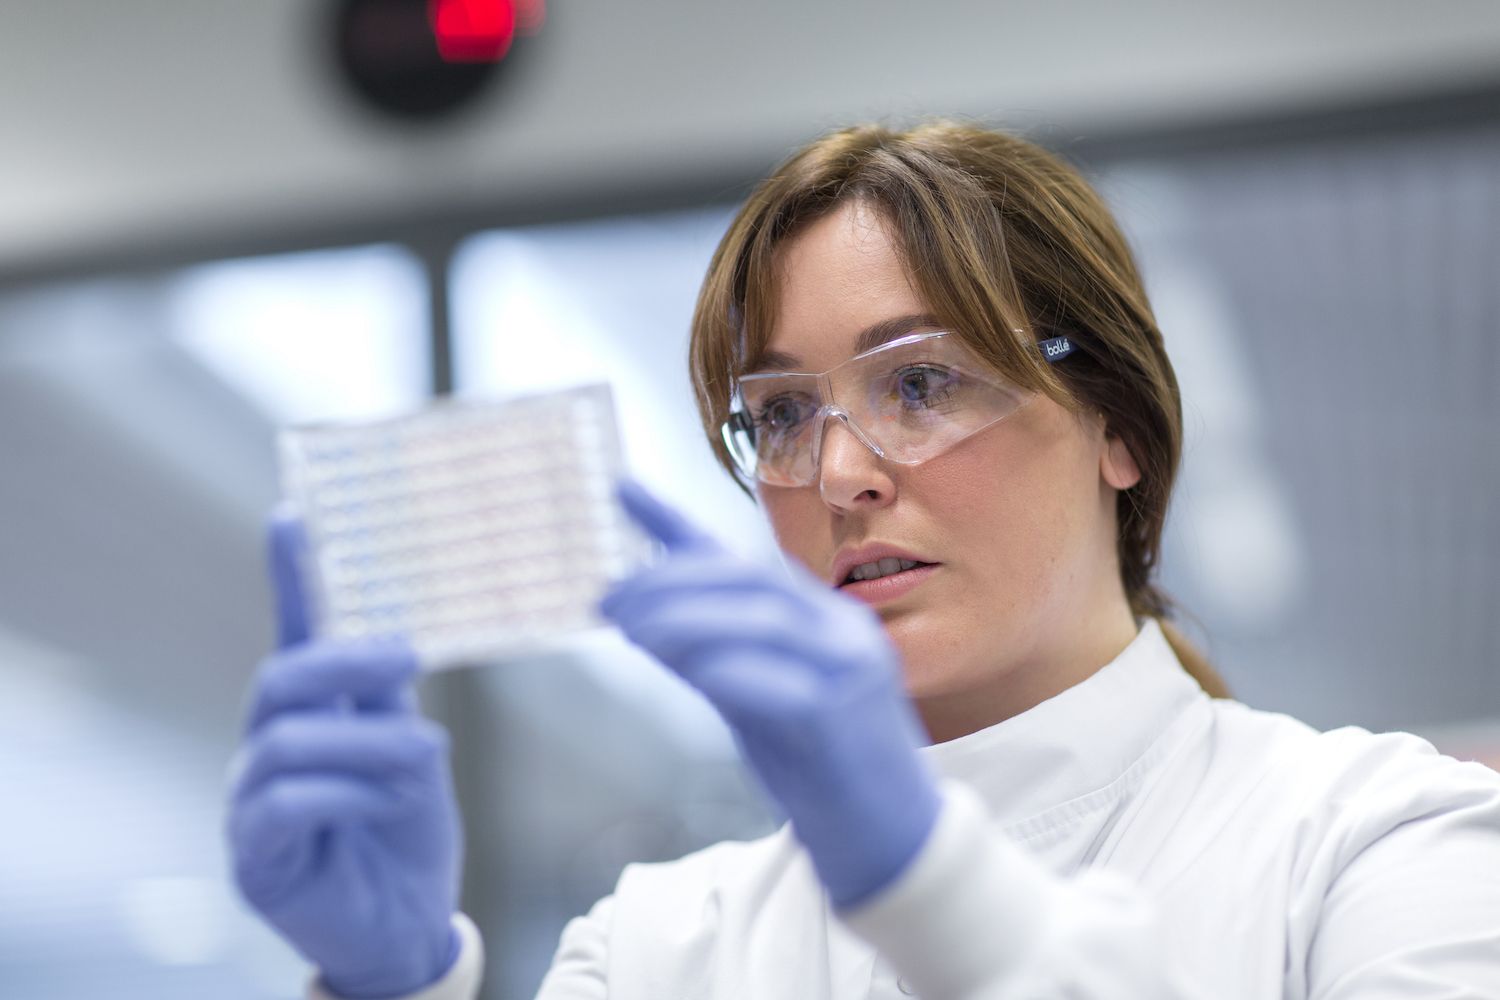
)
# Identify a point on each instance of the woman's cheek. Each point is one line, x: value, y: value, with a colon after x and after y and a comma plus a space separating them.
x: 795, y: 526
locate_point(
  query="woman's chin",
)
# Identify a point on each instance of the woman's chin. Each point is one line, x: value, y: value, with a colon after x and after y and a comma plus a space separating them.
x: 935, y: 680
x: 937, y: 653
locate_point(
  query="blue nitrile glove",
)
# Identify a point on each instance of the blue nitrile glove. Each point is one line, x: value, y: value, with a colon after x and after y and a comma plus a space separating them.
x: 809, y: 683
x: 343, y: 824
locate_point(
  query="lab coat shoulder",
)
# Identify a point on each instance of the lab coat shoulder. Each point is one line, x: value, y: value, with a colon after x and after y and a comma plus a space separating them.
x: 1390, y: 856
x: 1264, y: 859
x: 1347, y: 787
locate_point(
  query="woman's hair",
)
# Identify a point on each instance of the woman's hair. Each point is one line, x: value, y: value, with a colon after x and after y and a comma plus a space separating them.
x: 1000, y: 238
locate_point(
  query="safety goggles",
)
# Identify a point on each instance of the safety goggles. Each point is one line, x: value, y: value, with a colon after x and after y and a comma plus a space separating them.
x: 908, y: 400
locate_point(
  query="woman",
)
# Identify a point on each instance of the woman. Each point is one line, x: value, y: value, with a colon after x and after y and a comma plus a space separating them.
x: 931, y: 358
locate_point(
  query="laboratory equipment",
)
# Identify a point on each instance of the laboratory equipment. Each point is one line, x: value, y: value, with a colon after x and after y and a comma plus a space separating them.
x: 476, y: 529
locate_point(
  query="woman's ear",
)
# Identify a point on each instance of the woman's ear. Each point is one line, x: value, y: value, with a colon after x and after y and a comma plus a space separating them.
x: 1117, y: 465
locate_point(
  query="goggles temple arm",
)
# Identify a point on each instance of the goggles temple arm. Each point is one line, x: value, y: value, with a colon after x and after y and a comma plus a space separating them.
x: 739, y: 420
x: 1055, y: 349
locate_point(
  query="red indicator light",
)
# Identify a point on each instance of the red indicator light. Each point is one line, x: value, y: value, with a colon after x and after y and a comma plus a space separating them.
x: 474, y: 30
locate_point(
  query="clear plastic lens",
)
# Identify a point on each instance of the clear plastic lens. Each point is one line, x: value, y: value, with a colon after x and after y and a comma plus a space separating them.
x: 474, y: 529
x: 909, y: 401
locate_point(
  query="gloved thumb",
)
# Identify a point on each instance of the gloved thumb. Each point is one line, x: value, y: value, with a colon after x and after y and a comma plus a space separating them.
x: 660, y: 520
x: 287, y: 544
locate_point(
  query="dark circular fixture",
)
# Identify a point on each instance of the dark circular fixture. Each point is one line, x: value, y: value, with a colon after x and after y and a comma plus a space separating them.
x: 388, y: 54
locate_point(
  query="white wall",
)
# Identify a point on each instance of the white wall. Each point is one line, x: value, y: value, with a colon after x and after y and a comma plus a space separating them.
x: 138, y: 120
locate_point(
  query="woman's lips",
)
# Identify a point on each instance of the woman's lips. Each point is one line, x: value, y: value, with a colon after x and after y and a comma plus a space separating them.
x: 888, y: 588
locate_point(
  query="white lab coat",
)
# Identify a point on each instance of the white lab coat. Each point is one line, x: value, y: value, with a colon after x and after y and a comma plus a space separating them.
x: 1129, y: 838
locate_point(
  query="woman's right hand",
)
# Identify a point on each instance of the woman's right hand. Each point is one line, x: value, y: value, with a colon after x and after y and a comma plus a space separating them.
x: 343, y: 824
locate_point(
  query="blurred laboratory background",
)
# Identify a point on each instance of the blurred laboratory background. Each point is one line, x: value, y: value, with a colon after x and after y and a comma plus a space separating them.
x: 218, y: 218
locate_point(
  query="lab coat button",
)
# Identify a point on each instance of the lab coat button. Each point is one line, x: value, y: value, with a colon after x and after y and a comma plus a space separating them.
x: 904, y: 987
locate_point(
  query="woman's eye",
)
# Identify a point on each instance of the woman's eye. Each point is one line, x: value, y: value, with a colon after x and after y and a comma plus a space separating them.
x: 920, y: 385
x: 780, y: 414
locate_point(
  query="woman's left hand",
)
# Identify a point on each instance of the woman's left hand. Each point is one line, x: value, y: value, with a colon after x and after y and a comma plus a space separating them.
x: 808, y: 681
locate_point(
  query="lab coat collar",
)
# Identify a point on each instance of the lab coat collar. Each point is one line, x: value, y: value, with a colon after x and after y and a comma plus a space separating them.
x: 1075, y: 745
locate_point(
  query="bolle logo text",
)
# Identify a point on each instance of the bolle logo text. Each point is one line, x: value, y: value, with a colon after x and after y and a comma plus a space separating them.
x: 1062, y: 347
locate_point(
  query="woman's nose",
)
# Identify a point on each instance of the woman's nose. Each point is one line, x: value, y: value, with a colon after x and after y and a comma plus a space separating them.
x: 850, y: 475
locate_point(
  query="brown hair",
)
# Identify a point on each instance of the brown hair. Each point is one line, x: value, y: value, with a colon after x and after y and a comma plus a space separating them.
x: 999, y: 236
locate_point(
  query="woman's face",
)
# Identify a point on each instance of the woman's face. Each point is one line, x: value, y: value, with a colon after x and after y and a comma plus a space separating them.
x: 1024, y: 599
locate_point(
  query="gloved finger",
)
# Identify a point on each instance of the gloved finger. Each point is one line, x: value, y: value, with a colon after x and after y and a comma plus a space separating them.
x: 281, y: 817
x: 373, y: 748
x: 748, y: 687
x: 781, y: 713
x: 287, y: 545
x: 849, y: 651
x: 372, y: 673
x: 662, y: 521
x: 707, y: 578
x: 686, y: 634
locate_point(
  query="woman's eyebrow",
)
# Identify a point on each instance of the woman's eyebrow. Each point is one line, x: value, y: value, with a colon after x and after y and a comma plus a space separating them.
x: 869, y: 338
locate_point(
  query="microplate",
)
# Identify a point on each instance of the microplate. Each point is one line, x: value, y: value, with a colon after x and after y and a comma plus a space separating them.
x: 478, y: 530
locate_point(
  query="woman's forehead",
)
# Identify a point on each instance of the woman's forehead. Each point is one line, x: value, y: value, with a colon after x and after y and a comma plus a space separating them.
x: 840, y: 288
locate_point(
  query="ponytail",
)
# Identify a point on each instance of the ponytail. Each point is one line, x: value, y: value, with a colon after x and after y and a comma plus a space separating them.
x: 1194, y: 662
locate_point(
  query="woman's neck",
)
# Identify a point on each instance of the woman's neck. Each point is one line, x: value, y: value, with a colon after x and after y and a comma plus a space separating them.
x: 1019, y: 685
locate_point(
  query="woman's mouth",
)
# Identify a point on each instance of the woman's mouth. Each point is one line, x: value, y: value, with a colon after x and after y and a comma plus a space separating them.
x: 886, y: 580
